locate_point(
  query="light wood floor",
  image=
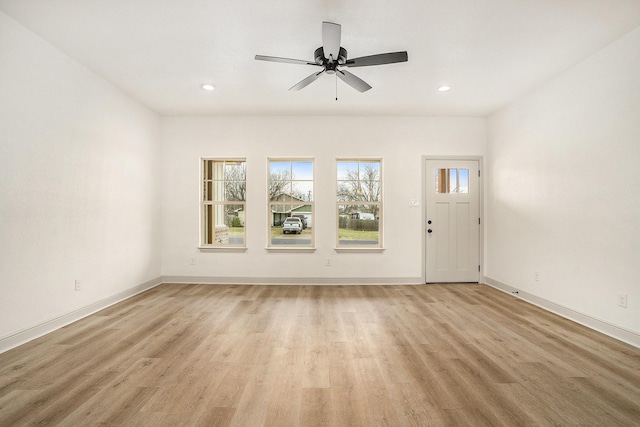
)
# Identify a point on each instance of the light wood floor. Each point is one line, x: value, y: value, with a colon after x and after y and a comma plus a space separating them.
x: 321, y: 355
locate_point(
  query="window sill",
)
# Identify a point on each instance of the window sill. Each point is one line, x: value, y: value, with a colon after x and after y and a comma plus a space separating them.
x: 222, y: 248
x: 355, y: 249
x: 290, y: 249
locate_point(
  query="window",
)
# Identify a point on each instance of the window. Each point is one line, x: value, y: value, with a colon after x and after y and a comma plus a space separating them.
x: 223, y: 203
x: 290, y: 195
x: 452, y: 181
x: 359, y: 203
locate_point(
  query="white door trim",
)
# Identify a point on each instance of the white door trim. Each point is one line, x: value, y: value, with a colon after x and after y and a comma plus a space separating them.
x: 480, y: 161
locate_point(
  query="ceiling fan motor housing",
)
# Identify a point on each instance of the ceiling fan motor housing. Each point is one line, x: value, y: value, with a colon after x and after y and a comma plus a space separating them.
x: 330, y: 66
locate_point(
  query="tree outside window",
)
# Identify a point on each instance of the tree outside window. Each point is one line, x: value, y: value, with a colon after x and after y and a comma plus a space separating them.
x: 223, y: 202
x: 359, y: 202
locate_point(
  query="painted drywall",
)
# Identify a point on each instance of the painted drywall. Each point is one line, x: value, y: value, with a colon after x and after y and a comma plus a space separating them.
x: 562, y: 194
x: 78, y: 185
x: 399, y: 141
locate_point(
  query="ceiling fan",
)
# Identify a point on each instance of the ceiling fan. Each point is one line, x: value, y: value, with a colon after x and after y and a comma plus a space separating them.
x: 332, y: 57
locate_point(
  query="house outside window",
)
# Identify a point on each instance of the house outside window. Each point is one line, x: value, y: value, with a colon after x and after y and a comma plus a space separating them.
x: 359, y: 203
x: 223, y: 203
x: 290, y: 196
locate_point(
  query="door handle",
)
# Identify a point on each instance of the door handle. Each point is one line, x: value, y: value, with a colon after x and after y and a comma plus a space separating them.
x: 429, y: 230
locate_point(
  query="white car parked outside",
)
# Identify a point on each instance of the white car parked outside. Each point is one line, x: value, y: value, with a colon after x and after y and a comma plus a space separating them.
x: 292, y: 225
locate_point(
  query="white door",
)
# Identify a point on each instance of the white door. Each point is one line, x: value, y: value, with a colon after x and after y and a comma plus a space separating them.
x: 452, y: 221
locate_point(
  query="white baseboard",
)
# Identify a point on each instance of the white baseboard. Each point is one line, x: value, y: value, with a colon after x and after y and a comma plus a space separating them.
x: 197, y: 280
x: 26, y: 335
x: 606, y: 328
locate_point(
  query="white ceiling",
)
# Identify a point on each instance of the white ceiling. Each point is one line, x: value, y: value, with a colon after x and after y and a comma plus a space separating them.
x: 488, y: 51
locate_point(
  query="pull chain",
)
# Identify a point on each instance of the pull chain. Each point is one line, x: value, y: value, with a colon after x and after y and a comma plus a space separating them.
x: 336, y: 86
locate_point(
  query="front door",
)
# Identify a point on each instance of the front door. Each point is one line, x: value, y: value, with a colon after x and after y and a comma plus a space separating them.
x: 452, y: 221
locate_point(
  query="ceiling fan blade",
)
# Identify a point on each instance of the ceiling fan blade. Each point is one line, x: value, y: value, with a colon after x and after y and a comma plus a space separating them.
x: 331, y: 40
x: 285, y: 60
x: 380, y: 59
x: 355, y: 82
x: 306, y: 82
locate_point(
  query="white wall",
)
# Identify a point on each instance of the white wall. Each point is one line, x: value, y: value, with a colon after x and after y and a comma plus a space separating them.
x: 78, y: 185
x: 399, y: 141
x: 564, y: 184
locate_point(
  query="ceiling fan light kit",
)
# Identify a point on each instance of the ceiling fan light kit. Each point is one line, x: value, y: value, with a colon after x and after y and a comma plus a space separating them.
x: 332, y: 57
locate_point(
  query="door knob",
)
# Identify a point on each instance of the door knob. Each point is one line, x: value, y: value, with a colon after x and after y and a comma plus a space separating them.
x: 429, y: 230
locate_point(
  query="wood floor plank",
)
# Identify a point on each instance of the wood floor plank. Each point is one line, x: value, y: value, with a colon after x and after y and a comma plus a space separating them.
x: 316, y: 407
x: 285, y: 404
x: 378, y: 410
x: 347, y: 398
x: 299, y: 355
x: 412, y: 408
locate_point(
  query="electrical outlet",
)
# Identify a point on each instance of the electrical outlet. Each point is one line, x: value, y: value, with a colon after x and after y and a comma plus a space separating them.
x: 622, y: 300
x: 536, y: 276
x: 327, y: 262
x: 192, y: 261
x: 78, y: 285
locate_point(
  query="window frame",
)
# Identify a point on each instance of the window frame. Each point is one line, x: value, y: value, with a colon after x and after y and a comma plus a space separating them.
x: 380, y: 204
x: 205, y: 203
x: 270, y: 212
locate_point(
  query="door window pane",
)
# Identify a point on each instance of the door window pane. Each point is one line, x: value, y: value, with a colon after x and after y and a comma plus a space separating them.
x: 451, y: 180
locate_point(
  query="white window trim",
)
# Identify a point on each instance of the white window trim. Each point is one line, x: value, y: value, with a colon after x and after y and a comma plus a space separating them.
x: 204, y: 247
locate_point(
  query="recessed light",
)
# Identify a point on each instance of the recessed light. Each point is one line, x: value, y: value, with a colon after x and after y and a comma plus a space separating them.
x: 444, y: 88
x: 208, y: 87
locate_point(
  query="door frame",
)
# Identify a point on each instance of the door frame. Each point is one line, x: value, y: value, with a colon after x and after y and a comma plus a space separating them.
x: 423, y: 199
